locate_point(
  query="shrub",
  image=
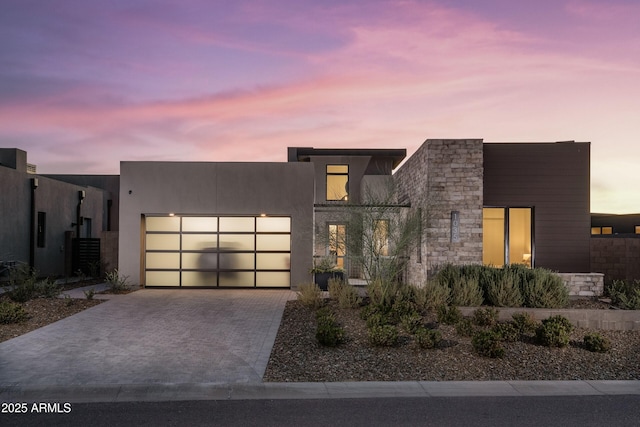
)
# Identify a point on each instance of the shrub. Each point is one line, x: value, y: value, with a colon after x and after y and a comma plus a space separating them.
x: 382, y: 294
x: 524, y: 323
x: 507, y: 331
x: 465, y: 328
x: 545, y: 289
x: 487, y: 344
x: 48, y: 289
x: 485, y: 316
x: 427, y: 338
x: 411, y: 322
x: 328, y: 332
x: 348, y: 297
x: 433, y: 294
x: 310, y: 295
x: 554, y: 331
x: 335, y: 286
x: 625, y: 295
x: 449, y: 315
x: 89, y: 293
x: 118, y: 284
x: 466, y: 291
x: 504, y: 290
x: 383, y: 335
x: 376, y: 318
x: 10, y: 312
x: 22, y: 284
x: 595, y: 342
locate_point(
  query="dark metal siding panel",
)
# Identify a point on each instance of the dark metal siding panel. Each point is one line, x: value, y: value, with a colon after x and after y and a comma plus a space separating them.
x: 554, y: 179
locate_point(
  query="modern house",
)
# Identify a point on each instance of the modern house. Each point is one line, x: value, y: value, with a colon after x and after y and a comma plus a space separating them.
x: 253, y: 225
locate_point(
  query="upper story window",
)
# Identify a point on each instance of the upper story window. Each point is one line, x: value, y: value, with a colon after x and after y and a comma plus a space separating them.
x: 637, y: 229
x: 337, y: 182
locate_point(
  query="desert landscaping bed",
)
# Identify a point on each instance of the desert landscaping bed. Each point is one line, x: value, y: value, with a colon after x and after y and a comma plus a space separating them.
x: 297, y: 356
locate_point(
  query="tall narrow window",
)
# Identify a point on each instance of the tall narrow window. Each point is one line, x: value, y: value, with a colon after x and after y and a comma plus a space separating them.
x: 381, y: 237
x: 507, y: 236
x: 337, y: 243
x: 42, y: 229
x: 337, y: 182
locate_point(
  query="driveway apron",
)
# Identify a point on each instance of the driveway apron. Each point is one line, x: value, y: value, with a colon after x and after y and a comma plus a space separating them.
x: 152, y: 336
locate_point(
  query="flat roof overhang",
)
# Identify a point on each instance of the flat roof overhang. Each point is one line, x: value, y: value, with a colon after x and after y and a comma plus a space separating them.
x: 304, y: 154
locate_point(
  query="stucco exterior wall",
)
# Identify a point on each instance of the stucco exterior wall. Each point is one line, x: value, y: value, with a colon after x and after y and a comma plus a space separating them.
x: 216, y: 189
x: 58, y: 200
x: 441, y: 177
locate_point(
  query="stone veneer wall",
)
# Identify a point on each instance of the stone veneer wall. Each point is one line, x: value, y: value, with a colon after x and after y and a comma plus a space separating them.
x: 617, y: 257
x: 584, y: 284
x: 443, y: 176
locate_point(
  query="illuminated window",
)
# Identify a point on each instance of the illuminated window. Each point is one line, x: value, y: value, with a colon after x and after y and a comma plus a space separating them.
x: 637, y: 229
x: 596, y: 230
x: 337, y: 182
x: 601, y: 230
x: 507, y: 236
x: 381, y: 237
x: 337, y: 243
x: 607, y: 230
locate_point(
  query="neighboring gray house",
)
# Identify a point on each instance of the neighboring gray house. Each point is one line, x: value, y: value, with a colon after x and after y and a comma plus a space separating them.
x: 40, y: 215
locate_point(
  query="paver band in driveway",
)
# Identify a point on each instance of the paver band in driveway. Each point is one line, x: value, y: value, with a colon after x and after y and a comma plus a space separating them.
x: 152, y: 336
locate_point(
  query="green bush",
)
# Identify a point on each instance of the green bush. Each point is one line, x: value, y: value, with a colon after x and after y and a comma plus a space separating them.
x: 507, y: 331
x: 411, y: 322
x: 487, y: 344
x: 545, y: 289
x: 485, y: 316
x: 335, y: 286
x: 310, y: 295
x: 10, y: 312
x: 449, y: 315
x: 504, y: 291
x: 427, y: 338
x: 48, y: 289
x: 595, y: 342
x: 383, y: 335
x: 349, y: 298
x: 328, y: 332
x: 554, y: 331
x: 22, y: 284
x: 524, y: 323
x: 624, y: 294
x: 465, y: 328
x: 376, y: 318
x: 433, y: 294
x: 466, y: 292
x: 382, y: 294
x: 117, y: 283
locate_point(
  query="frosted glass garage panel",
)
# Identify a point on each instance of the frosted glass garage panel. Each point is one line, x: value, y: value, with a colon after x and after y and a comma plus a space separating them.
x: 237, y: 242
x: 156, y: 242
x: 163, y: 260
x: 273, y: 242
x: 242, y: 224
x: 273, y: 261
x: 269, y: 224
x: 237, y: 279
x: 163, y: 278
x: 199, y: 242
x: 199, y: 278
x: 273, y: 279
x: 190, y: 223
x: 199, y: 260
x: 162, y: 223
x: 235, y: 261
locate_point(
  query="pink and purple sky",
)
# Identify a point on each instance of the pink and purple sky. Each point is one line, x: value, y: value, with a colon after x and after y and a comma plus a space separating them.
x: 87, y: 83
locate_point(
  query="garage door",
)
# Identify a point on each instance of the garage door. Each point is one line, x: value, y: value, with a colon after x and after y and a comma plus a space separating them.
x: 218, y: 251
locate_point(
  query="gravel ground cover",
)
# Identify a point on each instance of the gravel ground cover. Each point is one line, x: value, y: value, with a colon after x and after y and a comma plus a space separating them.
x: 297, y: 357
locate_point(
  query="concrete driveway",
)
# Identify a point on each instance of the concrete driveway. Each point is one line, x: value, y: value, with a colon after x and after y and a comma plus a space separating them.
x: 152, y: 336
